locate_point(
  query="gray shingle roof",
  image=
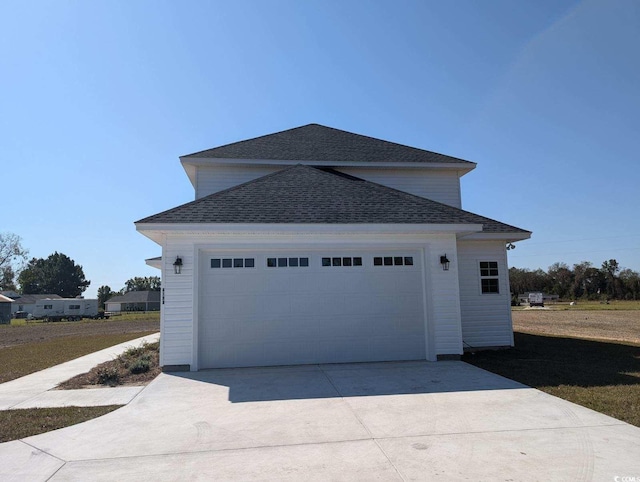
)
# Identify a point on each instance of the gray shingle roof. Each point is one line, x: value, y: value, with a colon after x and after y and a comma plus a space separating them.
x: 315, y: 142
x: 30, y: 299
x: 307, y: 195
x: 136, y: 297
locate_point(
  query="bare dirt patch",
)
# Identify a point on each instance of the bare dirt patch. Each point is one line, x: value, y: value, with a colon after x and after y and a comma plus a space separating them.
x: 603, y: 325
x: 39, y: 331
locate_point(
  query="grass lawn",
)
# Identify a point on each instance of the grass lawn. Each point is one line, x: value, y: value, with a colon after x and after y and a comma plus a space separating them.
x: 27, y: 347
x: 601, y: 374
x: 19, y: 360
x: 614, y: 305
x: 17, y: 424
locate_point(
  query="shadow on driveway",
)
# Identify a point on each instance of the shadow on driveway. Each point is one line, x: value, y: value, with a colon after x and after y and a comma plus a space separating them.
x: 349, y: 380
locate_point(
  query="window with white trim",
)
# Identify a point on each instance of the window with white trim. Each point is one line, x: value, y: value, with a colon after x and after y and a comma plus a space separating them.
x: 489, y: 280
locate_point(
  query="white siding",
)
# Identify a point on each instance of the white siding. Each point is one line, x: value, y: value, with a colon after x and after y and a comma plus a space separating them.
x: 443, y: 296
x: 177, y: 310
x: 212, y: 179
x: 486, y: 318
x: 441, y: 186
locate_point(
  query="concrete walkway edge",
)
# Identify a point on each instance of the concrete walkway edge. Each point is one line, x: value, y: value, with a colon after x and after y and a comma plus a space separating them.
x: 33, y: 390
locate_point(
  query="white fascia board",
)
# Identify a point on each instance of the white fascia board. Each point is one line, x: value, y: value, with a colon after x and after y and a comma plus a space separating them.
x: 156, y: 232
x: 192, y: 162
x: 191, y: 171
x: 154, y: 262
x: 507, y: 237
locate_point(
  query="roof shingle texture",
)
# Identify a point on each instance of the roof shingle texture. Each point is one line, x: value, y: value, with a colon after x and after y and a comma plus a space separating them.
x: 315, y: 142
x: 307, y: 195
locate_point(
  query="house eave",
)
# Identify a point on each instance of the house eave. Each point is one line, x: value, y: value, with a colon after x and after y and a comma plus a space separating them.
x: 154, y: 262
x: 508, y: 237
x: 157, y: 232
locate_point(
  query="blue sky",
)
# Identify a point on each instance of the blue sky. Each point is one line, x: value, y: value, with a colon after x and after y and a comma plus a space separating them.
x: 98, y: 100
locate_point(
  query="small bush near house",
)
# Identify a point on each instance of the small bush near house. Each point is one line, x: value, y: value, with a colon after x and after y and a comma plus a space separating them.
x: 136, y: 366
x: 108, y: 376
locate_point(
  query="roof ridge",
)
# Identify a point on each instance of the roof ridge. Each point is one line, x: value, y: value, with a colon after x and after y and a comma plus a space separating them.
x: 363, y: 137
x: 253, y: 139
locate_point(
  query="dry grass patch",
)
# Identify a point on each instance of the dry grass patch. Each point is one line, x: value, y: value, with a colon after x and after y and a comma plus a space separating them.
x: 601, y: 325
x: 21, y: 360
x: 17, y: 424
x: 37, y: 331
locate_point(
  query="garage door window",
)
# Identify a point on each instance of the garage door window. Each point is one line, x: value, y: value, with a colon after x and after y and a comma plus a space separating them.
x: 232, y: 262
x: 287, y: 262
x: 347, y: 261
x: 393, y: 261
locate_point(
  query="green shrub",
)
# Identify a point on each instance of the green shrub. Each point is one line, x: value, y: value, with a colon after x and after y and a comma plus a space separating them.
x: 108, y: 376
x: 141, y: 365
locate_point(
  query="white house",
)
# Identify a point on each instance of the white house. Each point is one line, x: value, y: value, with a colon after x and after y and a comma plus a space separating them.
x: 134, y: 301
x: 316, y: 245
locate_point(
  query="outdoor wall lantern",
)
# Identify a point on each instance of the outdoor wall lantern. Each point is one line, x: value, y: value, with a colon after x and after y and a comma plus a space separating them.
x: 444, y: 262
x: 177, y: 265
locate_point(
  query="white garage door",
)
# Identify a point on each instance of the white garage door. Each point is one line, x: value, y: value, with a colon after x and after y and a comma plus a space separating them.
x: 288, y: 308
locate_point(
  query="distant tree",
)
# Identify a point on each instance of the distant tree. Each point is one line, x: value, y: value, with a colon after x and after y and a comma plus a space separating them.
x: 151, y: 283
x: 12, y: 254
x: 105, y: 293
x: 583, y: 281
x: 610, y: 271
x: 631, y: 284
x: 57, y: 274
x: 523, y: 280
x: 561, y: 279
x: 7, y: 279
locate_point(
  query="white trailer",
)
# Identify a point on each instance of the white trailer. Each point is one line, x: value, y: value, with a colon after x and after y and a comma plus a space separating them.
x: 536, y: 299
x: 71, y: 309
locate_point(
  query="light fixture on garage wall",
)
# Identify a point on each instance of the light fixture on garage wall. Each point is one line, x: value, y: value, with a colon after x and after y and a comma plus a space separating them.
x: 177, y: 265
x: 444, y: 262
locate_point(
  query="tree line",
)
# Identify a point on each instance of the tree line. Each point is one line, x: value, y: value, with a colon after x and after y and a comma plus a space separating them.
x: 582, y: 281
x: 57, y: 274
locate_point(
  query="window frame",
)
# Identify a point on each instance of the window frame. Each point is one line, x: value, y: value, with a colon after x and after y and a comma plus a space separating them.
x: 490, y: 273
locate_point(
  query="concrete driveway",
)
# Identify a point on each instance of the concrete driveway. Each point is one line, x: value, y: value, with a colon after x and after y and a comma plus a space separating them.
x: 385, y: 421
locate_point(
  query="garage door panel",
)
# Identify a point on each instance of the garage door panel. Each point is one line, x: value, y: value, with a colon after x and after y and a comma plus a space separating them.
x: 213, y: 329
x: 316, y: 314
x: 396, y: 348
x: 234, y: 305
x: 298, y: 282
x: 343, y: 350
x: 309, y: 305
x: 271, y: 305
